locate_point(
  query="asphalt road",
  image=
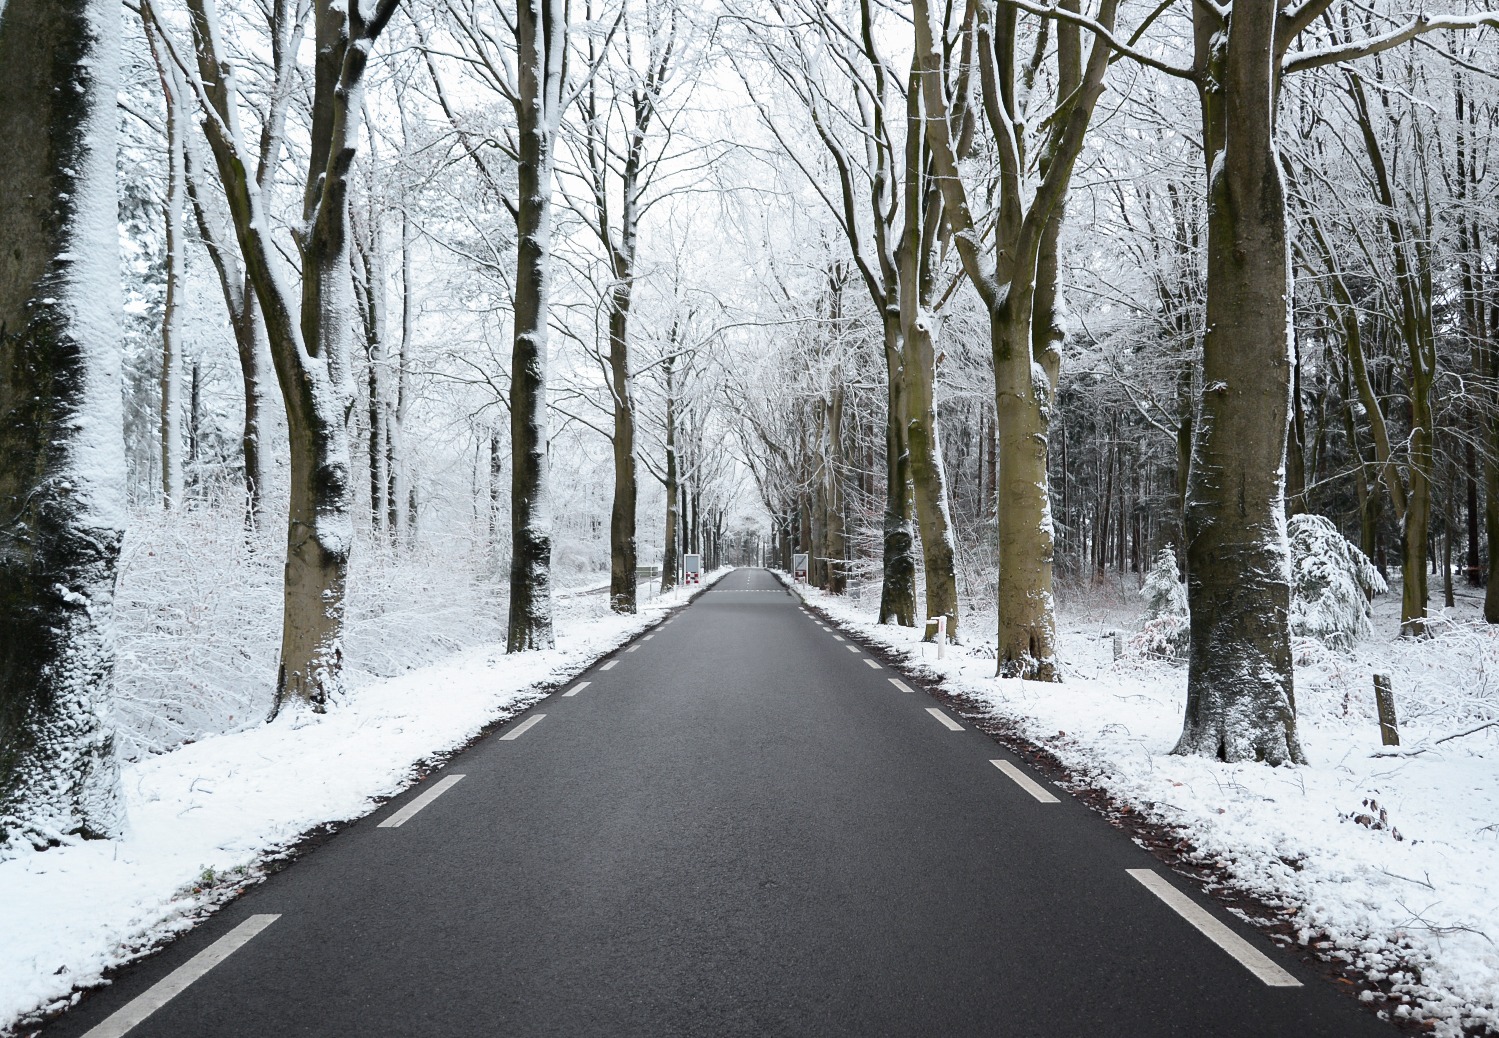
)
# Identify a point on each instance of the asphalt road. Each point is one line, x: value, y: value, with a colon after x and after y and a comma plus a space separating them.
x: 740, y: 827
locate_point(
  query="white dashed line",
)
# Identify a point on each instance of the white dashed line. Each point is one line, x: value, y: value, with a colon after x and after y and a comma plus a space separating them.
x: 648, y: 637
x: 900, y: 685
x: 1250, y: 957
x: 632, y: 648
x: 610, y: 665
x: 406, y: 813
x: 872, y: 664
x: 939, y: 715
x: 852, y: 648
x: 580, y: 686
x: 1025, y: 782
x: 176, y: 982
x: 520, y: 729
x: 837, y: 637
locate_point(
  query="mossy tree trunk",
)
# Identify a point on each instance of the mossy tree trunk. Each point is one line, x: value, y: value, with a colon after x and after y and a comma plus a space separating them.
x: 62, y: 457
x: 1240, y: 696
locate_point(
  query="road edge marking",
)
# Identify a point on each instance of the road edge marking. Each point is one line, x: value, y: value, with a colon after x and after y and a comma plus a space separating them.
x: 898, y: 683
x: 1025, y: 782
x: 520, y: 729
x: 952, y: 725
x: 1247, y: 955
x: 405, y: 814
x: 610, y: 665
x: 580, y: 686
x: 134, y: 1012
x: 871, y: 663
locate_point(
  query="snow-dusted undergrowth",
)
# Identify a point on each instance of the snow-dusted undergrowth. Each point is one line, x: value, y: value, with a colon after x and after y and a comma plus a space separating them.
x: 1406, y: 889
x: 199, y: 620
x: 205, y: 816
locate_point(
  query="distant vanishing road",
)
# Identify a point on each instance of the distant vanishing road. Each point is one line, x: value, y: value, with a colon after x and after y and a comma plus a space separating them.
x: 739, y: 824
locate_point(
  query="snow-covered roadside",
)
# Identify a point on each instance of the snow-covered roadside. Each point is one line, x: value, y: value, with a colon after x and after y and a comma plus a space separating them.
x: 1418, y: 910
x: 206, y: 817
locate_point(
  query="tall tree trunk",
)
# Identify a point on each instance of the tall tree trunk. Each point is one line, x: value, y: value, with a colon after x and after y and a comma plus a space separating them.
x: 171, y: 318
x: 898, y: 569
x: 244, y: 318
x: 671, y: 551
x: 817, y: 495
x: 622, y: 550
x: 837, y: 527
x: 496, y: 487
x: 397, y: 473
x: 1240, y: 697
x: 1471, y: 567
x: 1022, y: 400
x: 1415, y: 593
x: 369, y: 277
x: 1296, y: 439
x: 62, y: 457
x: 928, y: 479
x: 923, y: 216
x: 541, y: 44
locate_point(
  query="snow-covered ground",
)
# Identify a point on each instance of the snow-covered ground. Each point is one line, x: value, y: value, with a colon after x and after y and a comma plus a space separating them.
x: 207, y: 817
x: 1389, y: 862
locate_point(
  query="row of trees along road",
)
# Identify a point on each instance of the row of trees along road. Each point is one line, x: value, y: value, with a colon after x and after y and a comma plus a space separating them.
x: 1279, y: 248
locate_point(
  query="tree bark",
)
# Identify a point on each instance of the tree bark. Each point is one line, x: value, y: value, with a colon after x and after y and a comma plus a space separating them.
x: 1240, y: 696
x: 671, y: 551
x: 623, y: 560
x: 62, y: 458
x: 837, y: 530
x: 171, y: 318
x: 541, y: 44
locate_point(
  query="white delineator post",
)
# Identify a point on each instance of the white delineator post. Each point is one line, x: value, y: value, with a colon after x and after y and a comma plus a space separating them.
x: 941, y: 622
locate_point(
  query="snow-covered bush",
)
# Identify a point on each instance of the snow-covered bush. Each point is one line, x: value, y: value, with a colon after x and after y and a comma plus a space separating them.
x: 1331, y: 583
x: 1163, y: 590
x: 1167, y: 632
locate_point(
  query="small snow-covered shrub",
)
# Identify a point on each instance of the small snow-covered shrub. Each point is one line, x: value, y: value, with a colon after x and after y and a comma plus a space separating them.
x: 1165, y: 637
x: 1331, y: 582
x: 1167, y: 632
x: 1163, y: 590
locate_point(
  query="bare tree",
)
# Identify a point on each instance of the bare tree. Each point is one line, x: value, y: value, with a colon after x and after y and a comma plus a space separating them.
x: 620, y: 146
x: 1024, y: 338
x: 305, y: 334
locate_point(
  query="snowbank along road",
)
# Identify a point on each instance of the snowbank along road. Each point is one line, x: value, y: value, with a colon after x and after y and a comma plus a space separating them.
x: 740, y: 824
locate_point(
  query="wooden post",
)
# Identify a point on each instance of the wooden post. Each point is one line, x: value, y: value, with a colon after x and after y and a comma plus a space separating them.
x: 1384, y: 698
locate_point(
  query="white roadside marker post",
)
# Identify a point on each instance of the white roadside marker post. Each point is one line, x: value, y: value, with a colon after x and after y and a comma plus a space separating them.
x: 941, y: 622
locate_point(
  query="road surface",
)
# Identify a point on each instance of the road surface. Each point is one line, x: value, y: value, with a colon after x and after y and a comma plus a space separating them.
x: 739, y: 824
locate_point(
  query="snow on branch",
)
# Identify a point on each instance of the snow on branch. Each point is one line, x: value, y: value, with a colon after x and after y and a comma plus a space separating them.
x: 1417, y: 26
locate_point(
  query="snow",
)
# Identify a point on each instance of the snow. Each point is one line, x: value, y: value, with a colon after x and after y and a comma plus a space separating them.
x: 1413, y: 899
x: 206, y: 817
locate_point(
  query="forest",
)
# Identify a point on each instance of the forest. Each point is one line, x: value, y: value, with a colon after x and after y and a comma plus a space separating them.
x: 346, y: 335
x: 1132, y: 367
